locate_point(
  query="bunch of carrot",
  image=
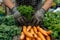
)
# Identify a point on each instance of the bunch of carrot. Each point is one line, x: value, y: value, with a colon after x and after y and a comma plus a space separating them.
x: 34, y: 33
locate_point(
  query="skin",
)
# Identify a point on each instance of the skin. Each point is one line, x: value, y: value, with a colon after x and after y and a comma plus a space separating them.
x: 8, y: 3
x: 46, y: 6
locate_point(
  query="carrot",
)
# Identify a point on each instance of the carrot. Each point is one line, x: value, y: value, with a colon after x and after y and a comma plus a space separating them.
x: 26, y: 32
x: 42, y: 31
x: 49, y: 32
x: 41, y: 36
x: 28, y: 28
x: 35, y: 29
x: 22, y: 36
x: 27, y: 38
x: 32, y: 31
x: 33, y: 39
x: 35, y: 36
x: 48, y: 38
x: 38, y: 38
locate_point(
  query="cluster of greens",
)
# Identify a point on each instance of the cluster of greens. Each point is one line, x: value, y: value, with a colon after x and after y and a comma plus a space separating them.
x: 52, y: 22
x: 8, y: 27
x: 8, y: 32
x: 57, y: 1
x: 2, y: 11
x: 26, y: 11
x: 9, y: 20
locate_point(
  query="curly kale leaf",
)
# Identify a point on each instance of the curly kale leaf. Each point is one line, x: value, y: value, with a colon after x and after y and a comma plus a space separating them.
x: 52, y: 22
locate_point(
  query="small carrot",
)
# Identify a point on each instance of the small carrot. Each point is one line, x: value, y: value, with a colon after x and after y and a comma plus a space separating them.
x: 41, y: 36
x: 48, y: 38
x: 35, y: 29
x: 32, y: 31
x: 28, y: 28
x: 26, y: 32
x: 33, y: 39
x: 27, y: 38
x: 49, y: 32
x: 35, y: 36
x: 38, y: 38
x: 42, y: 31
x: 22, y: 36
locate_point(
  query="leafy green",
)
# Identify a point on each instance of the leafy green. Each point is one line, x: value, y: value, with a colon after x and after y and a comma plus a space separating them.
x: 8, y: 32
x: 8, y: 27
x: 57, y: 1
x: 8, y: 20
x: 26, y: 11
x: 1, y: 20
x: 2, y: 11
x: 52, y: 22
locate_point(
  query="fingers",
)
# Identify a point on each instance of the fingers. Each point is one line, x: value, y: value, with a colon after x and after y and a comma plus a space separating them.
x: 37, y: 23
x: 22, y: 21
x: 34, y: 21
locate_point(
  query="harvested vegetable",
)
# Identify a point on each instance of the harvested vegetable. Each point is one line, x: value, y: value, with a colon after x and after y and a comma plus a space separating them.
x: 57, y: 1
x: 48, y: 38
x: 52, y: 22
x: 42, y: 31
x: 41, y: 36
x: 35, y: 29
x: 32, y: 31
x: 8, y: 32
x: 26, y: 11
x: 26, y: 32
x: 28, y: 28
x: 27, y: 38
x: 2, y: 11
x: 22, y: 36
x: 33, y: 39
x: 34, y: 34
x: 49, y: 32
x: 38, y: 38
x: 8, y: 20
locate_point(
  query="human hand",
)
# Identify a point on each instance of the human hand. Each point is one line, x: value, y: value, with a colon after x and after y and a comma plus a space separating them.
x: 38, y: 17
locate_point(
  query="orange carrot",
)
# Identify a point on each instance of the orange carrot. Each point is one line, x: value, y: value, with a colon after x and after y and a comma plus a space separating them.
x: 41, y: 36
x: 42, y: 31
x: 38, y: 38
x: 49, y: 32
x: 35, y: 36
x: 35, y: 29
x: 22, y: 36
x: 27, y: 38
x: 48, y: 38
x: 32, y: 31
x: 33, y: 39
x: 26, y: 32
x: 20, y: 39
x: 28, y: 28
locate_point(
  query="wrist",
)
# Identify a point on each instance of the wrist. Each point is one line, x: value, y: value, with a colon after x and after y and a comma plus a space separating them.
x: 14, y: 9
x: 15, y: 12
x: 42, y: 11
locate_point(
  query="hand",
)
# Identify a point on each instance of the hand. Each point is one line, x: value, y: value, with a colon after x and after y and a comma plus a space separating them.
x: 21, y: 20
x: 17, y: 15
x: 37, y: 17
